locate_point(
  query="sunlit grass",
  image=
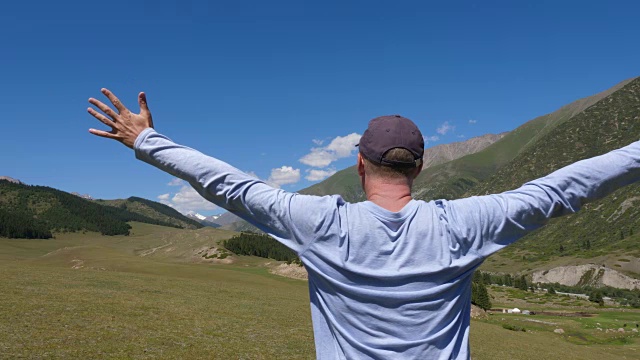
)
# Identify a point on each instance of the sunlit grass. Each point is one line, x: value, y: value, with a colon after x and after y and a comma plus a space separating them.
x: 172, y: 305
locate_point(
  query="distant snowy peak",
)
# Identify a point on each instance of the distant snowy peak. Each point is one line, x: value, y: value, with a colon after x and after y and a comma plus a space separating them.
x: 204, y: 220
x: 11, y: 180
x: 198, y: 216
x: 195, y: 215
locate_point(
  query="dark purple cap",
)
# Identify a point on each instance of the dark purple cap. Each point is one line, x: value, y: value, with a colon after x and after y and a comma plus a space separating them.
x: 389, y: 132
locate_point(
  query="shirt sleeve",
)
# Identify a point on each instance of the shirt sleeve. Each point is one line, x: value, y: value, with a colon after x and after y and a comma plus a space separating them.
x: 483, y: 225
x: 293, y: 219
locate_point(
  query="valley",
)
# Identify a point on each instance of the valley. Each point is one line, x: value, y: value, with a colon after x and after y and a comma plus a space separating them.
x: 153, y: 295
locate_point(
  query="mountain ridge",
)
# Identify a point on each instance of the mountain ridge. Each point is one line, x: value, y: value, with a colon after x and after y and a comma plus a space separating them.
x: 29, y: 211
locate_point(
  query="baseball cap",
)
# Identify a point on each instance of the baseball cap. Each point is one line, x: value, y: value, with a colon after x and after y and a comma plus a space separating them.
x: 389, y: 132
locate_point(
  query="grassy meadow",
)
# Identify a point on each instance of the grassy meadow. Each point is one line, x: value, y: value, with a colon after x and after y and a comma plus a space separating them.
x: 152, y: 295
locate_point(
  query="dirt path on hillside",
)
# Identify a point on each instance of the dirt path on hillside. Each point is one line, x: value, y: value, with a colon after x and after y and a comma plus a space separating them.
x: 152, y: 250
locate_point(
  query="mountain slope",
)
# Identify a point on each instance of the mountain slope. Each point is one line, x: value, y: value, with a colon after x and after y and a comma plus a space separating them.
x: 605, y: 226
x: 452, y: 179
x: 441, y: 154
x: 153, y: 210
x: 34, y: 208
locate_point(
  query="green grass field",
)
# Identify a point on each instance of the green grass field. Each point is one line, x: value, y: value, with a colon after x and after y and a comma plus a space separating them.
x: 152, y: 296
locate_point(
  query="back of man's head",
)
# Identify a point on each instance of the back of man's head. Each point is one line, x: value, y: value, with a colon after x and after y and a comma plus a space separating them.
x: 390, y: 171
x: 392, y: 148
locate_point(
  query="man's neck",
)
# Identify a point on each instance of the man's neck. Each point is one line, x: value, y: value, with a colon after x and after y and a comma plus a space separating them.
x: 389, y: 196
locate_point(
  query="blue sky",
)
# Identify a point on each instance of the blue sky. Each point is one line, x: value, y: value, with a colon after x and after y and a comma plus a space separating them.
x: 282, y: 88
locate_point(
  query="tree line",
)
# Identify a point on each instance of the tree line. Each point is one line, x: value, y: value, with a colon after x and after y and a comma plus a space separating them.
x: 479, y: 294
x: 262, y: 246
x: 20, y: 226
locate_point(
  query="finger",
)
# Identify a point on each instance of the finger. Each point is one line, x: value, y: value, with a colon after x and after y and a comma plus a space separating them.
x: 114, y: 100
x: 105, y: 109
x: 104, y: 134
x: 105, y: 120
x: 142, y: 100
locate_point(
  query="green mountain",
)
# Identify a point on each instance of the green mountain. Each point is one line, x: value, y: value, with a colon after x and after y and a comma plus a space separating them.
x: 153, y: 210
x: 345, y: 182
x: 36, y: 211
x: 600, y: 228
x: 453, y: 179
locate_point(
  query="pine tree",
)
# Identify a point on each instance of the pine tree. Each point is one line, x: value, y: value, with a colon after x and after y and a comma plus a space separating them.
x: 523, y: 283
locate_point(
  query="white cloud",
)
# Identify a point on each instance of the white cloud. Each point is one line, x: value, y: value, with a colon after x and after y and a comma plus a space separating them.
x: 461, y: 136
x: 340, y: 147
x: 284, y: 175
x: 428, y: 139
x: 318, y: 142
x: 318, y: 157
x: 471, y: 121
x: 176, y: 182
x: 186, y: 200
x: 445, y: 128
x: 317, y: 175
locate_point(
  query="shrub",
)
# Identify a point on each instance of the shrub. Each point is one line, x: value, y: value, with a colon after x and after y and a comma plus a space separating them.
x: 513, y: 327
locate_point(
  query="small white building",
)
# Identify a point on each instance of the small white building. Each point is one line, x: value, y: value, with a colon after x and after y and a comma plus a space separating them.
x: 514, y: 311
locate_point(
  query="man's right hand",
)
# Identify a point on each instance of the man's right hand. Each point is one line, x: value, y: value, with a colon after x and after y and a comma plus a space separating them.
x: 125, y: 125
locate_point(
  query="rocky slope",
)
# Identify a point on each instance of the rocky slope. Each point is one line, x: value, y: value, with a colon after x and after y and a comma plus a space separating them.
x: 441, y: 154
x: 581, y: 275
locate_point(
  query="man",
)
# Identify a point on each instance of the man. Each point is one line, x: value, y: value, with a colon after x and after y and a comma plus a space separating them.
x: 389, y: 277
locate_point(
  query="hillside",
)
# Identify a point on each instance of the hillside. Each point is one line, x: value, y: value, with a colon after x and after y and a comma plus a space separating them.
x: 586, y: 275
x: 453, y: 179
x: 153, y: 210
x: 36, y: 211
x: 613, y: 221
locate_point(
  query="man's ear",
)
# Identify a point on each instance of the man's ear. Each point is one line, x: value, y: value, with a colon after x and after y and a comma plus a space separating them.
x: 360, y: 165
x: 419, y: 170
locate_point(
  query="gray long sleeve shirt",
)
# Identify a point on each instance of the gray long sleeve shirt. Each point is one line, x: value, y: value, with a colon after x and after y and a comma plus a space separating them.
x: 390, y: 285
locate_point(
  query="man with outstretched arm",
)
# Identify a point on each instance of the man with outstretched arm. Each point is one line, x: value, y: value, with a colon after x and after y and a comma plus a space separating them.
x: 390, y: 277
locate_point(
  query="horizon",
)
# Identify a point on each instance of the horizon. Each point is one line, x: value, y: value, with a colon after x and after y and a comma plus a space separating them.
x: 284, y: 91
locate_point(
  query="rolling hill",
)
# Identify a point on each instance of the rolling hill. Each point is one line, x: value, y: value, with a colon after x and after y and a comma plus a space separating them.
x: 153, y: 210
x: 36, y: 211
